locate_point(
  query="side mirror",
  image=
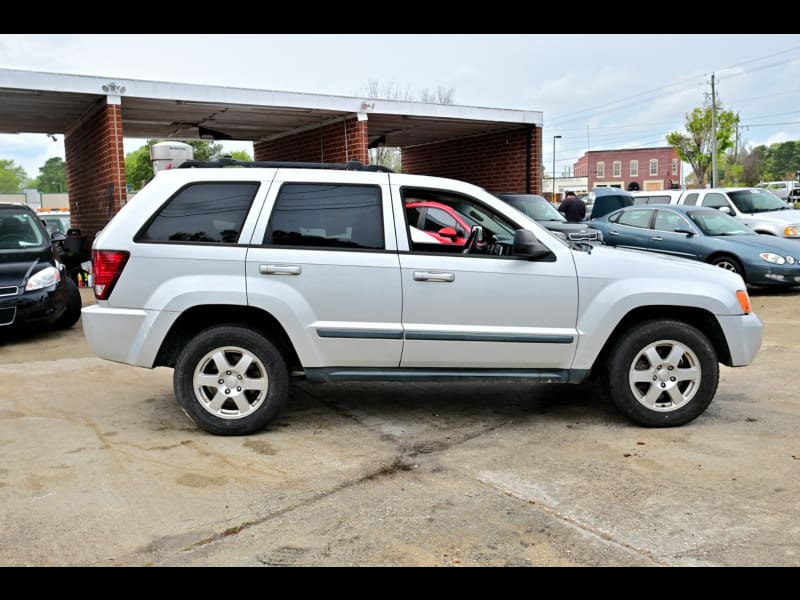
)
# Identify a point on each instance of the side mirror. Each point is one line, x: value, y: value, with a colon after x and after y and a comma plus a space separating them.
x: 525, y: 244
x: 57, y: 237
x: 725, y: 209
x: 448, y: 232
x: 688, y: 232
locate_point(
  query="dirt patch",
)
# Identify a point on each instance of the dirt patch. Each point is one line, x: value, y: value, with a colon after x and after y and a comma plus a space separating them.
x: 199, y: 481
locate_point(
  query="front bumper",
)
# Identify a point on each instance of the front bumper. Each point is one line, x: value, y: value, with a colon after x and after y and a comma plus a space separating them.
x: 743, y: 334
x: 41, y: 307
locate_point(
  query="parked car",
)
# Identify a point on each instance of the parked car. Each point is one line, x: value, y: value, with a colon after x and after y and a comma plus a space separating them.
x: 759, y: 209
x: 55, y: 220
x: 238, y: 278
x: 608, y: 199
x: 34, y: 288
x: 543, y: 212
x: 438, y: 220
x: 707, y: 235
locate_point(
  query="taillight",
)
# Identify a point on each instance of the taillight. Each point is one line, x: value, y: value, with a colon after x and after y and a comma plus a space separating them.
x: 107, y: 266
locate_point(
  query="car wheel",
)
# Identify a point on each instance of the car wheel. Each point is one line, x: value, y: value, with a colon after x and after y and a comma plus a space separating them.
x: 663, y: 373
x: 74, y: 304
x: 231, y: 380
x: 729, y: 264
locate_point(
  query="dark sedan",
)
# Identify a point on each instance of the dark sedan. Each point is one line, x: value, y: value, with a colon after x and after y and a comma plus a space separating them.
x: 34, y: 288
x: 540, y: 210
x: 704, y: 234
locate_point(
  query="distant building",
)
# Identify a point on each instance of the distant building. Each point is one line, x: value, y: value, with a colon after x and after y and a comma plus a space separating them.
x: 632, y: 169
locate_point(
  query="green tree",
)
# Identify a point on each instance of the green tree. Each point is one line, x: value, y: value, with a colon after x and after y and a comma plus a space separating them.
x: 12, y: 177
x: 52, y: 176
x: 781, y: 161
x: 139, y: 169
x: 694, y: 146
x: 240, y: 155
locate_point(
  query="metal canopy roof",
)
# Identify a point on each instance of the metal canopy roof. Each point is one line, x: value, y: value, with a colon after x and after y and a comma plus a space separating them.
x: 35, y: 102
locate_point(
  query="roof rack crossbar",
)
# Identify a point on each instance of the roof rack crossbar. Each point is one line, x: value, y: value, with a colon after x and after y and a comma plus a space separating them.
x: 353, y: 165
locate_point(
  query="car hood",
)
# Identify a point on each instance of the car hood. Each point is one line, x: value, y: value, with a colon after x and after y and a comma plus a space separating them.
x: 573, y: 231
x: 609, y: 262
x: 782, y: 217
x: 16, y: 267
x: 764, y: 243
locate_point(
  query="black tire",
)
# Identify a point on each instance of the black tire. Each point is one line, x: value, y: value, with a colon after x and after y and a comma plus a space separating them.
x: 74, y: 304
x: 630, y: 374
x: 221, y: 409
x: 728, y: 263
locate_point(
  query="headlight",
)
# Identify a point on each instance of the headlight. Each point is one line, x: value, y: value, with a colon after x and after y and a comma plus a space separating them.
x: 791, y: 231
x: 776, y: 259
x: 790, y: 260
x: 42, y: 279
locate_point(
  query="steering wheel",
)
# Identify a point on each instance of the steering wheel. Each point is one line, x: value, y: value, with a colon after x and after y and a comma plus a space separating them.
x: 475, y: 236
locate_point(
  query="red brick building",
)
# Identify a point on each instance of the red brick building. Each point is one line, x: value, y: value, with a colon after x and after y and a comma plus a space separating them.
x: 631, y: 169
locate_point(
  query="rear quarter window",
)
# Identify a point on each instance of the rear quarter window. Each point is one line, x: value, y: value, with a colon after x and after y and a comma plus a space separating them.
x: 202, y: 212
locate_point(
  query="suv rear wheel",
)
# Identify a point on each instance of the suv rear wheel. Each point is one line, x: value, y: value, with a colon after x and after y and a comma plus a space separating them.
x: 663, y: 373
x: 231, y: 380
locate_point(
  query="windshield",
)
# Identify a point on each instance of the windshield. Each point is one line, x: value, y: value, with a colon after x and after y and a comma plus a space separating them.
x: 757, y: 201
x: 536, y: 207
x: 19, y: 230
x: 713, y: 222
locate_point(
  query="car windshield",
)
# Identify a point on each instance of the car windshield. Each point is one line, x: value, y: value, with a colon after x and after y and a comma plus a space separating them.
x: 19, y: 230
x: 536, y: 207
x: 55, y: 223
x: 713, y: 222
x: 757, y: 201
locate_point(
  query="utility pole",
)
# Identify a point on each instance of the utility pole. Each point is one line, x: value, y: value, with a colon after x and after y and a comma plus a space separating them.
x: 736, y: 147
x: 713, y: 133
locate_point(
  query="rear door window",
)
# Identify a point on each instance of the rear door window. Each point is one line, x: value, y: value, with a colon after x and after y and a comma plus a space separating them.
x: 327, y: 215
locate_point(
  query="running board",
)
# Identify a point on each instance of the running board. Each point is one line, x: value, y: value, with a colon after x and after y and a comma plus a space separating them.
x: 326, y: 375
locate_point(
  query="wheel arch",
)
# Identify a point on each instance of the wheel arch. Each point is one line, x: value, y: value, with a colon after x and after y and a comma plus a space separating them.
x: 697, y: 317
x: 724, y: 253
x: 202, y: 317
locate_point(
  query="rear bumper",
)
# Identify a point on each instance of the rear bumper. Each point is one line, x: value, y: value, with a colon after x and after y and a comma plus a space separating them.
x: 125, y: 335
x: 743, y: 334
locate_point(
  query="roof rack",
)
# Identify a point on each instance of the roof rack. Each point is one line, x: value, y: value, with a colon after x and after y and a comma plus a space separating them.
x: 353, y: 165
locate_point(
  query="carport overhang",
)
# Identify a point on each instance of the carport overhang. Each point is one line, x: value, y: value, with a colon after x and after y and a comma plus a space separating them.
x: 497, y: 148
x: 35, y: 102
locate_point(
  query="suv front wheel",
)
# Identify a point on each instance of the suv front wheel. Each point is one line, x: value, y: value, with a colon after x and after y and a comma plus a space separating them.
x: 231, y: 380
x: 662, y: 373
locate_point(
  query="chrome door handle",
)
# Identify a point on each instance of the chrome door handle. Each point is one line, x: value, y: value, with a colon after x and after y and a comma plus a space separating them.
x: 433, y: 276
x: 613, y: 233
x: 657, y: 238
x: 280, y: 269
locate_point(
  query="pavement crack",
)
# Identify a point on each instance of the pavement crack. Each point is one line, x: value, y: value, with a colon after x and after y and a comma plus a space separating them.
x: 397, y: 464
x: 585, y: 527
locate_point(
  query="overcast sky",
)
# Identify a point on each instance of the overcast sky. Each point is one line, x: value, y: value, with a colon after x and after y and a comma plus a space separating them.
x: 627, y: 90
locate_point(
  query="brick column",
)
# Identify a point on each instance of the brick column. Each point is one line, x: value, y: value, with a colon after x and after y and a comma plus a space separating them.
x: 96, y: 167
x: 495, y: 161
x: 337, y: 142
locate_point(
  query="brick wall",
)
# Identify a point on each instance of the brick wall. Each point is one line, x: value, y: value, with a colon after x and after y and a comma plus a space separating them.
x: 587, y: 166
x: 495, y: 161
x: 335, y: 143
x: 95, y: 161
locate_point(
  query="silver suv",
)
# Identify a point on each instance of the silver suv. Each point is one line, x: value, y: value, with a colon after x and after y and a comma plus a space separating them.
x: 239, y: 278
